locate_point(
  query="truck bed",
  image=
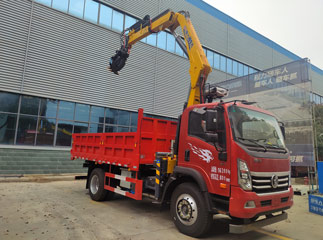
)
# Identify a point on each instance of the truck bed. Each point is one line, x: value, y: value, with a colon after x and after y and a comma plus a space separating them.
x: 126, y: 149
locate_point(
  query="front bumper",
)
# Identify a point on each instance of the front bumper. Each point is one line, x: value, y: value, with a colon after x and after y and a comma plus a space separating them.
x: 243, y: 228
x: 264, y: 204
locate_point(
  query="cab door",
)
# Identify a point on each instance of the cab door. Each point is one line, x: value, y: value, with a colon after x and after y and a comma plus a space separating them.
x: 201, y: 150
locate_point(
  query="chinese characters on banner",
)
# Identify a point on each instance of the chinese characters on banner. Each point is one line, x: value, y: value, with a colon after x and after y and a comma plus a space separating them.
x: 284, y: 91
x: 277, y: 75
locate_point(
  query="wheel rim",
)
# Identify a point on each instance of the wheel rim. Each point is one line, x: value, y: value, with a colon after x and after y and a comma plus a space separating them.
x: 94, y: 186
x: 186, y: 209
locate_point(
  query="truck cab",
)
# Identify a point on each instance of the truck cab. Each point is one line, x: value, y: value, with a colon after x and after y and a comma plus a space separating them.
x: 239, y: 152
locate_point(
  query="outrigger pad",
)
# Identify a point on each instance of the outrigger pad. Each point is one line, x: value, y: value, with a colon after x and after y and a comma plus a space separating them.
x: 118, y: 61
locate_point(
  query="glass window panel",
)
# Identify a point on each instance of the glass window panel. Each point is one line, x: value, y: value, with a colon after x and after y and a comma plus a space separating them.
x: 45, y: 132
x: 9, y: 102
x: 161, y: 40
x: 81, y: 127
x: 245, y: 70
x: 317, y: 99
x: 152, y: 39
x: 91, y: 11
x: 29, y: 105
x: 123, y: 129
x: 45, y: 2
x: 64, y: 133
x: 97, y: 114
x: 129, y: 21
x: 133, y: 129
x: 170, y: 42
x: 240, y: 69
x: 66, y: 110
x: 7, y: 128
x: 117, y: 21
x: 96, y: 128
x: 82, y: 112
x: 216, y: 59
x: 178, y: 49
x: 61, y: 5
x: 205, y: 51
x: 196, y: 129
x: 123, y: 117
x: 149, y: 115
x: 209, y: 55
x: 26, y: 130
x: 76, y: 8
x: 48, y: 108
x: 223, y: 63
x: 229, y: 66
x: 235, y: 68
x: 111, y: 116
x: 144, y: 40
x: 105, y: 16
x: 110, y: 128
x: 134, y: 119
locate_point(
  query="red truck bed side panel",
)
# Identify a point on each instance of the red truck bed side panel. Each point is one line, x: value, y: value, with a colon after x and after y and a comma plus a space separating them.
x: 128, y: 149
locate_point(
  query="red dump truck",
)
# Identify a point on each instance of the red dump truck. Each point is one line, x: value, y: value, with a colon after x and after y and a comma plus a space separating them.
x: 229, y: 169
x: 218, y: 158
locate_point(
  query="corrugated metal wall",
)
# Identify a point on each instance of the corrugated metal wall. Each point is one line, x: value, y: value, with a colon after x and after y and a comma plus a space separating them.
x: 14, y: 27
x: 138, y: 8
x: 48, y: 53
x: 68, y: 59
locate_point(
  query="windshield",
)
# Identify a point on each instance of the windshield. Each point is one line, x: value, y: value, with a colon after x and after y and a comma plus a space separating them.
x: 255, y: 128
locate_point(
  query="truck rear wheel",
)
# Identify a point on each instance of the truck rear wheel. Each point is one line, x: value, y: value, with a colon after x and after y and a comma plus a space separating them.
x: 189, y: 211
x: 96, y: 186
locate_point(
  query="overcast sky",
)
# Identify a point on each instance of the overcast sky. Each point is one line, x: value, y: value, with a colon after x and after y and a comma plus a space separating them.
x: 296, y: 25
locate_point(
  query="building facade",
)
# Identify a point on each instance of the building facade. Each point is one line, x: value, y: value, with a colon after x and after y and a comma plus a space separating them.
x: 54, y: 80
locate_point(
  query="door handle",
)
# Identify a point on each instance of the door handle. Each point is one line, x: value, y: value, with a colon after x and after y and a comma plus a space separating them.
x: 187, y: 156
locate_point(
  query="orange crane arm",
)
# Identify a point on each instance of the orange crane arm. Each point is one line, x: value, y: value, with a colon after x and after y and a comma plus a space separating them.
x: 199, y: 65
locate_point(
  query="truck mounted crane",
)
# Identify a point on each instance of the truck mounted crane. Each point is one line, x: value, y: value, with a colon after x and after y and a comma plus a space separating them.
x: 219, y: 158
x: 199, y: 65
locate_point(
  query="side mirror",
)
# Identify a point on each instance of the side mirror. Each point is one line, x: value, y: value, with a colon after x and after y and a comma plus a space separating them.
x: 211, y: 137
x: 211, y: 120
x: 282, y: 128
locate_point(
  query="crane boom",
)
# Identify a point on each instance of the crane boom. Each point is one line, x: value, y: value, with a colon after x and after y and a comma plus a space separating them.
x: 199, y: 65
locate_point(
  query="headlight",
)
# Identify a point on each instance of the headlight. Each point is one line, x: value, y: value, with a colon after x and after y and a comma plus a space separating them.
x: 244, y: 175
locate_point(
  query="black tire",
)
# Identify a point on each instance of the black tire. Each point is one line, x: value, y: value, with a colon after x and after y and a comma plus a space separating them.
x: 189, y: 212
x: 96, y: 186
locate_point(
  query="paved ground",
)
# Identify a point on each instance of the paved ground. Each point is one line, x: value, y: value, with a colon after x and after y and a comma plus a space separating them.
x: 64, y: 210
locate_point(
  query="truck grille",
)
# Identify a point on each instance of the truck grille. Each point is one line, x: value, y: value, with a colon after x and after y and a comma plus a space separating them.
x: 263, y: 182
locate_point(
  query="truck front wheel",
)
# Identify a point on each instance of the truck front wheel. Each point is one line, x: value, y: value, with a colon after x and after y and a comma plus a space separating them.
x: 96, y: 185
x: 189, y: 211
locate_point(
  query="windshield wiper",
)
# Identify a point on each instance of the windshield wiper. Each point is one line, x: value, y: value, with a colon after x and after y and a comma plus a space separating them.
x: 254, y: 141
x: 277, y: 147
